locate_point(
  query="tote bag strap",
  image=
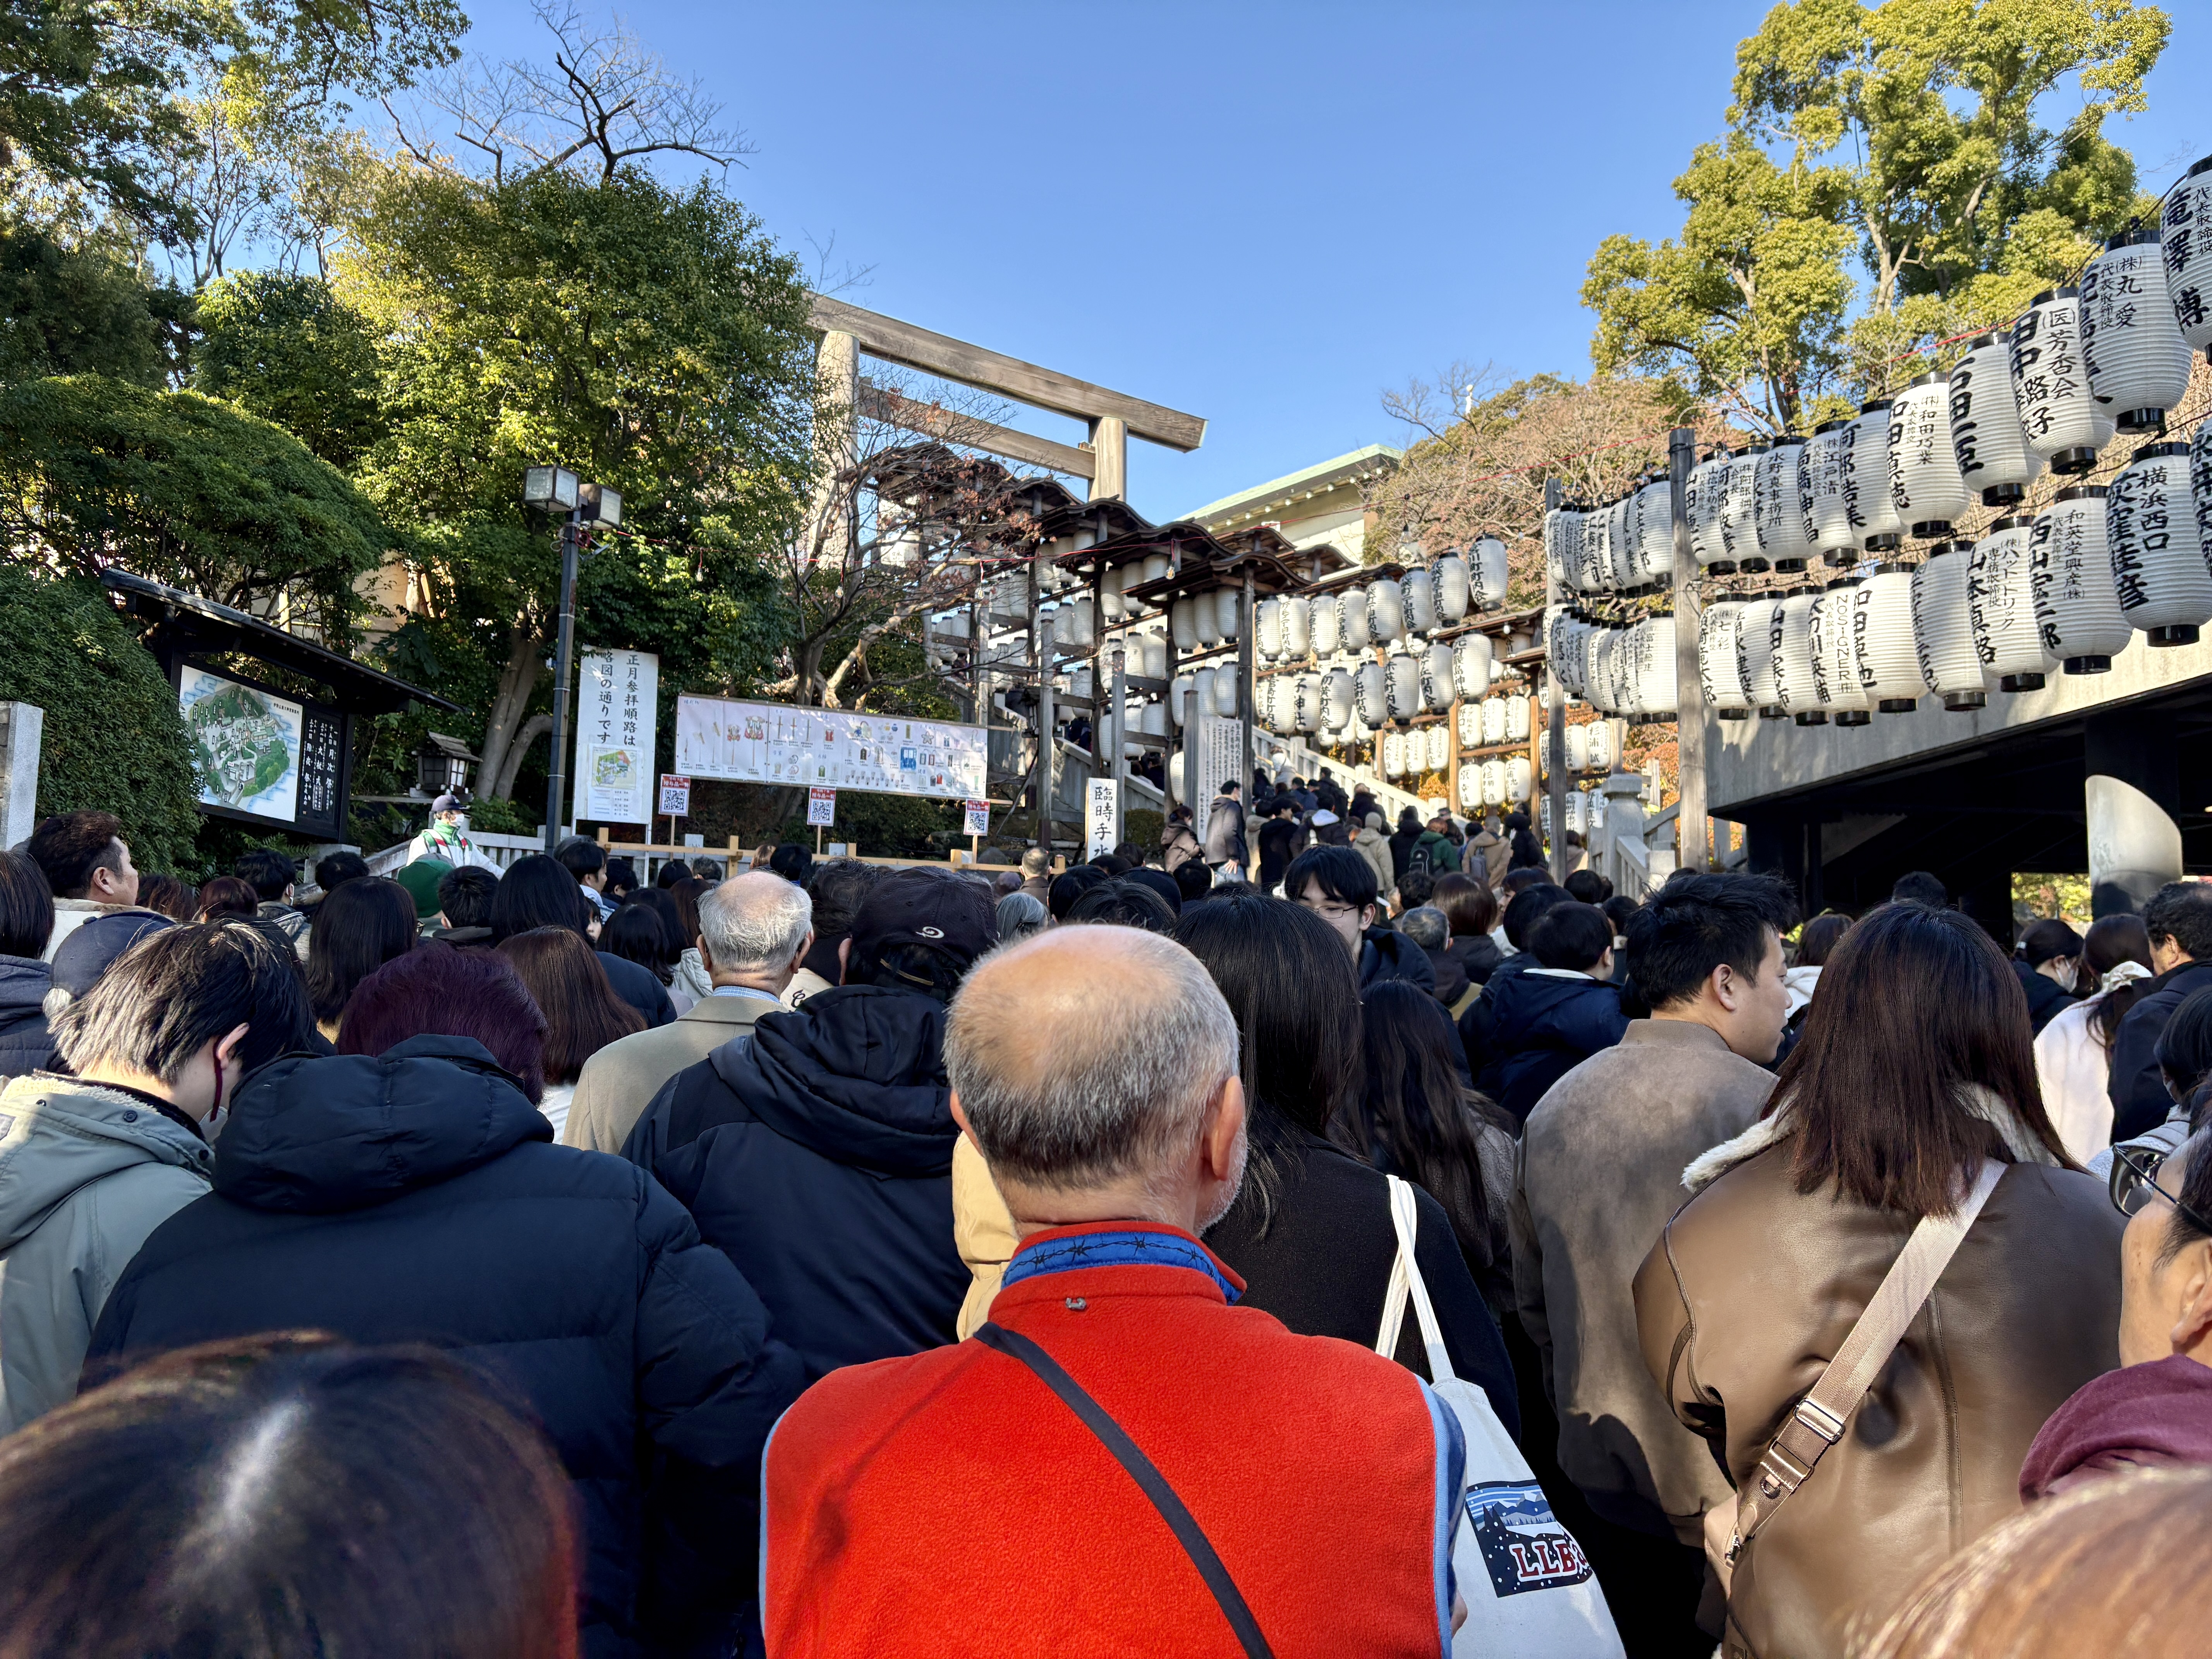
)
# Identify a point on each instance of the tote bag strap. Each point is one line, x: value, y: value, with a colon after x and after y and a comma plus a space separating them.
x: 1820, y: 1418
x: 1154, y: 1484
x: 1405, y: 1281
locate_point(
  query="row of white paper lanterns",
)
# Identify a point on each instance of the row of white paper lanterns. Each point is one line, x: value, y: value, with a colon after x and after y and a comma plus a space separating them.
x: 1494, y: 783
x: 2080, y: 366
x: 1299, y: 626
x: 2070, y: 588
x: 1617, y: 668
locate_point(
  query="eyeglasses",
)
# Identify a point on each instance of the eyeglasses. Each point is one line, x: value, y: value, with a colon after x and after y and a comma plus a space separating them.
x: 2135, y: 1181
x: 1329, y: 909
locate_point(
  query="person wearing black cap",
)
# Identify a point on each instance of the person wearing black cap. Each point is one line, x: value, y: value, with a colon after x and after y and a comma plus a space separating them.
x: 816, y: 1151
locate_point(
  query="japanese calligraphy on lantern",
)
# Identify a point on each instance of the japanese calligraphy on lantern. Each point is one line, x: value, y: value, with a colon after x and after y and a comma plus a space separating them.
x: 835, y: 747
x: 616, y: 730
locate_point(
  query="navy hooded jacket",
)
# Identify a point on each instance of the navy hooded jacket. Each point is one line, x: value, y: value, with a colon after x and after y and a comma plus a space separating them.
x: 817, y: 1152
x: 25, y: 1045
x: 1542, y: 1025
x: 416, y: 1196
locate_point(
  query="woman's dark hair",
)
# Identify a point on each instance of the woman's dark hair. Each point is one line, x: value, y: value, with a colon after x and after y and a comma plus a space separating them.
x: 566, y: 980
x: 168, y: 897
x: 26, y: 907
x: 1526, y: 908
x: 622, y: 878
x: 2049, y: 938
x: 1410, y: 1116
x: 334, y: 870
x: 685, y: 893
x: 1125, y: 903
x: 1346, y: 877
x: 2184, y: 1045
x: 536, y: 890
x: 1517, y: 882
x: 1289, y: 981
x: 1917, y: 1005
x: 793, y: 861
x: 226, y: 895
x: 287, y: 1494
x: 1572, y: 936
x: 1527, y: 854
x: 1112, y: 865
x: 356, y: 930
x: 1467, y: 904
x: 438, y: 991
x: 663, y: 904
x: 2111, y: 941
x: 1818, y: 939
x: 637, y: 934
x: 1409, y: 822
x: 1069, y: 886
x: 180, y: 988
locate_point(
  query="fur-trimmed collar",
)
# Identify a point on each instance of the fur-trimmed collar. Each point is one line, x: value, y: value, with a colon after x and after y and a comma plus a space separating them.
x: 1779, y: 1125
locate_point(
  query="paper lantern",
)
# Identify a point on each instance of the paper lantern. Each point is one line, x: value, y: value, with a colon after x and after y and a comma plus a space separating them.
x: 1494, y: 720
x: 1793, y: 662
x: 1517, y: 780
x: 2051, y: 383
x: 1924, y: 484
x: 1986, y: 439
x: 1739, y: 536
x: 1470, y: 725
x: 1298, y: 626
x: 2001, y: 600
x: 1404, y: 682
x: 1352, y: 632
x: 1656, y: 653
x: 1889, y: 654
x: 1153, y: 720
x: 1205, y: 619
x: 1325, y: 626
x: 1758, y: 638
x: 1386, y: 611
x: 1657, y: 503
x: 1390, y: 751
x: 1944, y: 627
x: 1084, y: 614
x: 1578, y: 745
x: 1470, y: 789
x: 1865, y: 463
x: 1836, y: 656
x: 1705, y: 498
x: 1339, y: 700
x: 1112, y: 606
x: 1778, y: 512
x: 1202, y: 695
x: 2137, y: 359
x: 1471, y: 660
x: 1267, y: 637
x: 1154, y: 649
x: 1718, y: 669
x: 2153, y: 528
x: 1439, y: 747
x: 2200, y: 481
x: 1419, y: 589
x: 1488, y: 573
x: 1600, y: 747
x: 2076, y: 605
x: 1225, y: 680
x: 1156, y: 567
x: 1827, y: 515
x: 1228, y: 604
x: 1182, y: 624
x: 1555, y: 544
x: 1517, y: 716
x: 1436, y: 688
x: 2188, y: 256
x: 1494, y: 783
x: 1308, y: 695
x: 1371, y: 694
x: 1577, y: 818
x: 1454, y: 588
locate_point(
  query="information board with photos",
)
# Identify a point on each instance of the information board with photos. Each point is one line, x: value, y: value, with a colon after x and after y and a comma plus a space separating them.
x: 829, y: 748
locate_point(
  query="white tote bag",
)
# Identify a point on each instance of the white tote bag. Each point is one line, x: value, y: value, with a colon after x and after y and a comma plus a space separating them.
x: 1528, y: 1586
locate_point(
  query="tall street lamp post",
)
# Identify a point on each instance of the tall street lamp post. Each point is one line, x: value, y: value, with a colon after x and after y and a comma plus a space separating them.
x: 556, y: 489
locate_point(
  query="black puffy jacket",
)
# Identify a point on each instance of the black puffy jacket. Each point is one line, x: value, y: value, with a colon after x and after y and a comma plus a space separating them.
x: 417, y: 1197
x: 818, y: 1153
x: 25, y: 1045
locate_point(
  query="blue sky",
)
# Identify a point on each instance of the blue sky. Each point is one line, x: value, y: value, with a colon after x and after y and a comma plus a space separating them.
x: 1262, y: 214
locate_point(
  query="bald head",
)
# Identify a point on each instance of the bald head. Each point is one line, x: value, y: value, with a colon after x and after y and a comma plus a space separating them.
x: 756, y: 923
x: 1088, y: 1055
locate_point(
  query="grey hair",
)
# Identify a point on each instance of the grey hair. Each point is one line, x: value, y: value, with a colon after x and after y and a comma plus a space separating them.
x: 1426, y: 925
x: 754, y: 921
x: 1065, y: 1100
x: 1021, y: 915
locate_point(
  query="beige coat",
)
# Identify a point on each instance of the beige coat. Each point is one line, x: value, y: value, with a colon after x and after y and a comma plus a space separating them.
x: 619, y: 1082
x: 1601, y: 1160
x: 982, y: 1231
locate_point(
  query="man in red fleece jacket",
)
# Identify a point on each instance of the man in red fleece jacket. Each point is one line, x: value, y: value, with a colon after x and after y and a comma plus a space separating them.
x: 954, y: 1503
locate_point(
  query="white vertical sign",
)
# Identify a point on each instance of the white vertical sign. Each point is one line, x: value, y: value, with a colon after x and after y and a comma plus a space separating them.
x: 616, y: 732
x: 1098, y: 816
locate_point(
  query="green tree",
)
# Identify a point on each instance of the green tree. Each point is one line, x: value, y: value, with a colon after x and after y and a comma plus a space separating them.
x: 114, y: 740
x: 78, y: 308
x: 186, y: 491
x: 653, y: 340
x: 286, y: 348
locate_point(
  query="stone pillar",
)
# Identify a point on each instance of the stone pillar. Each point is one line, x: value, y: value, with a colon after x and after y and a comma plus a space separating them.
x: 2132, y: 789
x: 23, y: 728
x: 836, y: 439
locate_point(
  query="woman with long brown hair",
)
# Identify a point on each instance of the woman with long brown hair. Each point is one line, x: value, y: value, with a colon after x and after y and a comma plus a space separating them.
x: 582, y: 1013
x: 1914, y: 1068
x: 2074, y: 1052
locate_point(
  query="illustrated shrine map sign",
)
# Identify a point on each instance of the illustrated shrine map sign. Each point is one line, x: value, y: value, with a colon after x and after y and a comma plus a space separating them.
x: 246, y: 744
x: 829, y: 748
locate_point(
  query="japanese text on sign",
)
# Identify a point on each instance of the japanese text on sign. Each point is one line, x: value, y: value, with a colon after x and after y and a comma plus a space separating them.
x: 821, y: 806
x: 1099, y: 818
x: 775, y: 743
x: 979, y: 817
x: 675, y: 796
x: 616, y: 731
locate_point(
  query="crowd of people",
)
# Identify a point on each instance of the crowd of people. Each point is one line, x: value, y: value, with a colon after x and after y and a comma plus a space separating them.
x: 819, y: 1257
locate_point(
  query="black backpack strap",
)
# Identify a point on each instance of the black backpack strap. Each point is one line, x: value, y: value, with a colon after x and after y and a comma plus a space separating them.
x: 1149, y: 1480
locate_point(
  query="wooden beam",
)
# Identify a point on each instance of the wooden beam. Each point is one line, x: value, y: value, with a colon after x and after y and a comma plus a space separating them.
x: 933, y: 420
x: 896, y: 342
